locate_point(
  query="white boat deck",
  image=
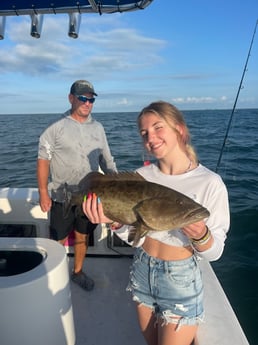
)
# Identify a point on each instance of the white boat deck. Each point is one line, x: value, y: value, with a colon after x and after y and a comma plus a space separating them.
x: 106, y: 315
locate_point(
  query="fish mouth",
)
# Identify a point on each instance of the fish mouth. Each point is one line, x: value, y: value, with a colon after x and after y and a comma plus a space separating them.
x: 199, y: 213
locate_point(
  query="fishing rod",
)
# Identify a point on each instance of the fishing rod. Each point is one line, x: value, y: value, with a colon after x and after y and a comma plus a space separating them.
x: 239, y: 88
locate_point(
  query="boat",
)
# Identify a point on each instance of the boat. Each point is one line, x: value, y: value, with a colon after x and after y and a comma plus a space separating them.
x: 63, y: 313
x: 106, y: 315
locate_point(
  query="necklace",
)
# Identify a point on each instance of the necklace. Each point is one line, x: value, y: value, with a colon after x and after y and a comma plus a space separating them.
x: 189, y: 166
x: 170, y: 169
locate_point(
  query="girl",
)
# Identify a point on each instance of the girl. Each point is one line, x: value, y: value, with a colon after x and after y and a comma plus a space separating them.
x: 165, y: 279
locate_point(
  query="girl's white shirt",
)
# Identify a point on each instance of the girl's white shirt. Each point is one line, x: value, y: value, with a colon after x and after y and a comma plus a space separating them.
x: 203, y: 186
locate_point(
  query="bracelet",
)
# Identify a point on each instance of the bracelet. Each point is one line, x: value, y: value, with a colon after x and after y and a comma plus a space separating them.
x: 204, y: 239
x: 115, y: 225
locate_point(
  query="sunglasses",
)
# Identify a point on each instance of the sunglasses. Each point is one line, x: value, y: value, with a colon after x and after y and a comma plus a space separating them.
x: 85, y: 99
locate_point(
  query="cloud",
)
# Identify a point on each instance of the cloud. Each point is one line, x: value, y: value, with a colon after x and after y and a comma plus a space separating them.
x: 123, y: 101
x: 103, y: 49
x: 129, y: 67
x: 198, y: 100
x: 108, y: 53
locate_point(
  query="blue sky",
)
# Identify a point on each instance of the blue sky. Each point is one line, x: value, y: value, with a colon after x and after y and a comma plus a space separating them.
x: 190, y: 53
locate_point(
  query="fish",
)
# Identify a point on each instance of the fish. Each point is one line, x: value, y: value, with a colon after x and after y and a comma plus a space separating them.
x: 128, y: 198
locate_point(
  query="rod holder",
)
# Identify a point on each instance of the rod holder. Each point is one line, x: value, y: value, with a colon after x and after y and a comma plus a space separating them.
x: 2, y: 27
x: 36, y: 25
x: 74, y: 24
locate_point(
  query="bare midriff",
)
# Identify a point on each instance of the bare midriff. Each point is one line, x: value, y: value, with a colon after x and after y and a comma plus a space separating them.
x: 164, y: 251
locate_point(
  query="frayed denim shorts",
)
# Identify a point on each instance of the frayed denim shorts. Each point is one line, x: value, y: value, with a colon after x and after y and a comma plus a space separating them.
x: 172, y: 289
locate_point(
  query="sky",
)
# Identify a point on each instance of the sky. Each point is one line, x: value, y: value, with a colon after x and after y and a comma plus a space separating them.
x: 189, y: 53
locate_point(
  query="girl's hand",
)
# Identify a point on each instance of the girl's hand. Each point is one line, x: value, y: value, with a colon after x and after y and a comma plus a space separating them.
x: 92, y: 207
x: 195, y: 230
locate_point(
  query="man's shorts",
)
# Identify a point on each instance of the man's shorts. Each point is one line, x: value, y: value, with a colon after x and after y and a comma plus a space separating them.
x: 61, y: 227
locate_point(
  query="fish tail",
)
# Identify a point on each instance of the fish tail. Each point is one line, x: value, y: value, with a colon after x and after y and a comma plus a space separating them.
x: 67, y: 205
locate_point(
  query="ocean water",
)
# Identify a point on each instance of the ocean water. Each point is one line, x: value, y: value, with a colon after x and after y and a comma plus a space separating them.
x: 237, y: 270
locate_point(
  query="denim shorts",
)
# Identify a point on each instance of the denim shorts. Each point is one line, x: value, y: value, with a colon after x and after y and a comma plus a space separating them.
x: 172, y: 289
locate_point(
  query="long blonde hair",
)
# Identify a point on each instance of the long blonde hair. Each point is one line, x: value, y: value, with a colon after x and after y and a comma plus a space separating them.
x: 173, y: 118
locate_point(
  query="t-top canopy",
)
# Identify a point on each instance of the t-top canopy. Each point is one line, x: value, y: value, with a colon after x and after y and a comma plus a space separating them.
x: 74, y: 8
x: 25, y: 7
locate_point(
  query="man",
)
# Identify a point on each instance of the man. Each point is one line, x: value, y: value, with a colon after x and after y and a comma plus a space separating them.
x: 69, y: 149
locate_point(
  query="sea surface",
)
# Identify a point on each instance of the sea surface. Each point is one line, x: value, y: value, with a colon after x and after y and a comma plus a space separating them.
x: 237, y: 270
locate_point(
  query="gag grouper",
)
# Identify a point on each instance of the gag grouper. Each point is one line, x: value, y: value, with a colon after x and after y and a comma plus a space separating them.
x: 128, y: 198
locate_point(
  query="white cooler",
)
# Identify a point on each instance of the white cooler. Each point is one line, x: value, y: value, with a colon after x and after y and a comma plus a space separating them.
x: 35, y: 296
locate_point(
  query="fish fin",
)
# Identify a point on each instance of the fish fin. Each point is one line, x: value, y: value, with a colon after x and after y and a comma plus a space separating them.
x: 94, y: 178
x: 89, y: 180
x: 123, y: 176
x: 131, y: 234
x: 136, y: 233
x: 130, y: 176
